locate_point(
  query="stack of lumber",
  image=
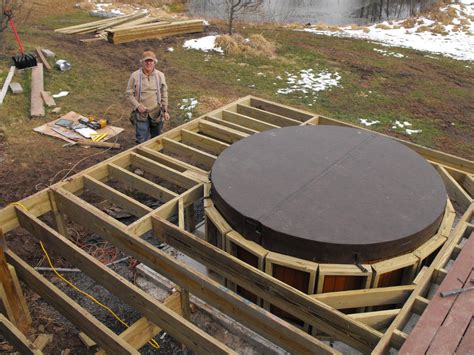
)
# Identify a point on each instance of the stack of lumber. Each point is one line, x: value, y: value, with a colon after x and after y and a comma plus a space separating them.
x: 100, y: 25
x: 153, y: 30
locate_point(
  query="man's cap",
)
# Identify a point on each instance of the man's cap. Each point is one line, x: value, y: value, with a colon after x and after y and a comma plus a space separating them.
x: 149, y: 55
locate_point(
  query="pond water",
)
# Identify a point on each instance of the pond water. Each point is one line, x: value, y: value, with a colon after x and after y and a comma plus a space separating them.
x: 333, y: 12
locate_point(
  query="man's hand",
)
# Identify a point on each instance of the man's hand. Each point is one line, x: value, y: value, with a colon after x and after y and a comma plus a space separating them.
x: 141, y: 108
x: 166, y: 116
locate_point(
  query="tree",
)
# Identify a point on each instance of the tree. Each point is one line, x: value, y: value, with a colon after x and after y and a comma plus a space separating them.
x: 236, y: 7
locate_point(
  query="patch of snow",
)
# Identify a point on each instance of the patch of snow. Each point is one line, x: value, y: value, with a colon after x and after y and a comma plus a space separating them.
x: 61, y: 94
x: 170, y: 49
x: 413, y: 131
x: 188, y: 105
x: 308, y: 82
x: 457, y: 43
x: 388, y: 53
x: 204, y: 44
x: 368, y: 123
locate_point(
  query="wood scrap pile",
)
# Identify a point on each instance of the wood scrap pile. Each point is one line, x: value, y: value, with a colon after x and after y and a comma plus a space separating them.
x: 153, y: 30
x: 133, y: 27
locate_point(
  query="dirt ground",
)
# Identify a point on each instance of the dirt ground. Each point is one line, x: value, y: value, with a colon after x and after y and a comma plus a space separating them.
x: 29, y: 163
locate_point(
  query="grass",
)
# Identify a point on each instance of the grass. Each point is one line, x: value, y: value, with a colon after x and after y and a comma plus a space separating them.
x: 429, y: 93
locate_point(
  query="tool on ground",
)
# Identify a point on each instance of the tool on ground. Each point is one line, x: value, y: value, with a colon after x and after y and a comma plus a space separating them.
x: 98, y: 137
x: 93, y: 122
x: 22, y: 60
x: 457, y: 291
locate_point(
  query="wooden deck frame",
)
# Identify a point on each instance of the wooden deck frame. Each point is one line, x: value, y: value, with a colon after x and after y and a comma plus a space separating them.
x: 15, y: 337
x: 216, y: 227
x: 208, y: 136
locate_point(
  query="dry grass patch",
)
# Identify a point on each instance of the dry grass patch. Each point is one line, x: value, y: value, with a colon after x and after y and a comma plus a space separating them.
x: 256, y: 45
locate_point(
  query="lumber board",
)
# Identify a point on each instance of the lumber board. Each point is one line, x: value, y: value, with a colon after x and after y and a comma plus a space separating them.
x: 42, y: 340
x: 37, y: 86
x: 48, y: 99
x: 169, y: 161
x: 37, y: 204
x: 377, y: 319
x: 141, y: 184
x: 15, y: 337
x: 276, y: 330
x: 229, y: 124
x: 162, y: 171
x: 302, y: 306
x: 266, y: 116
x: 68, y: 308
x: 290, y: 112
x: 6, y: 84
x: 222, y: 133
x: 178, y: 327
x: 196, y: 156
x: 11, y: 295
x: 43, y: 59
x: 247, y: 121
x: 129, y: 204
x: 213, y: 146
x: 455, y: 190
x: 366, y: 297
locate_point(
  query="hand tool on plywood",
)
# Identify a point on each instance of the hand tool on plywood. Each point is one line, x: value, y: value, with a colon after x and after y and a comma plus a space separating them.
x: 457, y: 291
x: 93, y: 122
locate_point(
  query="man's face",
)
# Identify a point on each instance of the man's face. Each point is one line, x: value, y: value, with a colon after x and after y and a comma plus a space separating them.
x: 149, y: 65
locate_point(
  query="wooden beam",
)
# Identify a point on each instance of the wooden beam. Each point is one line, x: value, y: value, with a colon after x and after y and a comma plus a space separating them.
x: 168, y: 161
x: 377, y: 320
x: 266, y: 116
x: 166, y: 173
x: 48, y: 99
x: 15, y: 337
x: 275, y: 329
x: 247, y: 121
x: 302, y: 306
x: 196, y: 156
x: 6, y: 84
x: 185, y: 332
x: 282, y: 110
x: 127, y: 203
x: 455, y: 190
x: 69, y: 309
x: 10, y: 295
x: 211, y: 145
x: 141, y: 184
x: 366, y: 297
x: 220, y: 132
x: 37, y: 86
x: 229, y: 124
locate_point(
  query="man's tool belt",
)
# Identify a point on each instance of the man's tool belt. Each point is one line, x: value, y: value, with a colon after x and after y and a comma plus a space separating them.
x: 154, y: 119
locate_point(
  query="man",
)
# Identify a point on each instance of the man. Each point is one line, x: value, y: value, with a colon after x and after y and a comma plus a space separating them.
x: 147, y: 92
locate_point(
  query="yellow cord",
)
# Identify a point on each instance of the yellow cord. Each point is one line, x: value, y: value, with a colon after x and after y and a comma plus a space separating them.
x: 152, y: 342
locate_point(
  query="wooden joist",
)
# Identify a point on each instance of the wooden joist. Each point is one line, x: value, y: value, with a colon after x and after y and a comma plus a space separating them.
x: 274, y: 329
x: 320, y: 316
x: 42, y: 58
x: 17, y: 338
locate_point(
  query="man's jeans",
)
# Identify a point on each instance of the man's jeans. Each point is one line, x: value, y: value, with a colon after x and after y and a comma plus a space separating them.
x: 145, y: 130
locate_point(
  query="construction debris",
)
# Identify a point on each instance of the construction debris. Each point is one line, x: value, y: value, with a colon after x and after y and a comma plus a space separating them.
x: 37, y: 86
x: 6, y: 84
x: 152, y: 31
x: 42, y: 58
x: 48, y: 99
x: 16, y: 88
